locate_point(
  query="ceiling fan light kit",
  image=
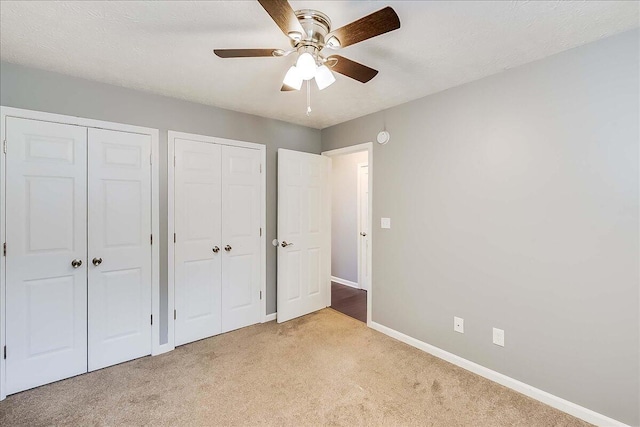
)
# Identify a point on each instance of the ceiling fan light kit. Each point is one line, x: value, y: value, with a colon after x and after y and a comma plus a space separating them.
x: 293, y: 79
x: 306, y: 64
x: 324, y: 77
x: 310, y: 32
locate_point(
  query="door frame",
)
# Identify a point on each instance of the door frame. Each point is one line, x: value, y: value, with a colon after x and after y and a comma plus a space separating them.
x: 368, y: 147
x: 171, y: 137
x: 156, y: 347
x: 359, y: 223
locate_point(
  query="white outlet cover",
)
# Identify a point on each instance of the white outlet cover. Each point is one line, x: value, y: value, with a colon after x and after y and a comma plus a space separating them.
x: 458, y: 324
x: 498, y: 337
x: 385, y: 222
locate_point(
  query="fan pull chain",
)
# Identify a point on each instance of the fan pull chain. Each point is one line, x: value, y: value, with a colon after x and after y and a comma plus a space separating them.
x: 308, y: 97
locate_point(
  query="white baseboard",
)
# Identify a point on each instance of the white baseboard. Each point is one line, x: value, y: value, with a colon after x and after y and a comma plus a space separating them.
x: 345, y: 282
x: 270, y: 317
x: 557, y: 402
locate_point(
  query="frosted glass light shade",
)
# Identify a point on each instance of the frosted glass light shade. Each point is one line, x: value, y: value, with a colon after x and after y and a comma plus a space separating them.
x: 324, y: 77
x: 307, y: 65
x: 293, y: 78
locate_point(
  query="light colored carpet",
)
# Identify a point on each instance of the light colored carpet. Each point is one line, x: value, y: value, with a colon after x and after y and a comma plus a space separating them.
x: 321, y: 369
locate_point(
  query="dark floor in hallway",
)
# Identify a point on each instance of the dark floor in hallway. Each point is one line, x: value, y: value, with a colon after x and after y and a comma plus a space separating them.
x: 350, y: 301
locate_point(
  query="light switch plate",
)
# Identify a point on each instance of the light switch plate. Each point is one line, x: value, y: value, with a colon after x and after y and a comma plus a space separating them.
x: 498, y: 337
x: 385, y: 222
x: 458, y: 324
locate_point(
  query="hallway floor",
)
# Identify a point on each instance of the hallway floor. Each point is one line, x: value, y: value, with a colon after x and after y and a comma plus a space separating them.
x: 349, y: 301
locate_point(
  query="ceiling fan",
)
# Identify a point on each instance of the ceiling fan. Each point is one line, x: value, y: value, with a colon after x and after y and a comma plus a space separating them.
x: 310, y: 32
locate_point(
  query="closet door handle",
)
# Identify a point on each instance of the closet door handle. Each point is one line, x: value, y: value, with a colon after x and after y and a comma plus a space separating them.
x: 97, y: 261
x: 285, y: 244
x: 76, y: 263
x: 228, y: 248
x: 216, y: 249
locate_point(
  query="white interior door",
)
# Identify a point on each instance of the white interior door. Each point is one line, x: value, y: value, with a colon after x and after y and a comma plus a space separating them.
x: 46, y: 318
x: 304, y: 233
x: 241, y: 206
x: 364, y: 235
x: 119, y: 255
x: 198, y: 247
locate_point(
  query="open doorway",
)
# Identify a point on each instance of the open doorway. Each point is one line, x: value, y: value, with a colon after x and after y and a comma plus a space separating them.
x: 350, y: 231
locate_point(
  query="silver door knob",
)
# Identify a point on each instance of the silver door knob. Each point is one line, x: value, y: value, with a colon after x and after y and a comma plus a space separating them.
x: 285, y: 244
x: 227, y: 248
x: 363, y: 234
x: 76, y: 263
x: 97, y: 261
x: 216, y: 249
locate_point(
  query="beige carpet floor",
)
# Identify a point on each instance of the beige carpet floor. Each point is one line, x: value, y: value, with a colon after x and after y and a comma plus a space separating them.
x: 322, y: 369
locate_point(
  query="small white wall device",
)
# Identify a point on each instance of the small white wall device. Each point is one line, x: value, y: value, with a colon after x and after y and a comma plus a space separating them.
x: 383, y: 137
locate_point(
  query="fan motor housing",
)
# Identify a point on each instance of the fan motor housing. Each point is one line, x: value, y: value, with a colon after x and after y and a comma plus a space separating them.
x: 316, y: 26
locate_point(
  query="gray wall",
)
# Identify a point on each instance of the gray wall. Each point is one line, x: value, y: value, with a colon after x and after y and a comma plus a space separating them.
x: 514, y: 203
x: 41, y: 90
x: 344, y: 215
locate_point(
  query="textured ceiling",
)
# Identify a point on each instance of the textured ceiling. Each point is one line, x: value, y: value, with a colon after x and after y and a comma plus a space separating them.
x: 165, y: 47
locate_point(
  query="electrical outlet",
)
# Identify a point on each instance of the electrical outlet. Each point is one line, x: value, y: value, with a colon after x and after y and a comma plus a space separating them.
x: 498, y: 337
x: 458, y: 324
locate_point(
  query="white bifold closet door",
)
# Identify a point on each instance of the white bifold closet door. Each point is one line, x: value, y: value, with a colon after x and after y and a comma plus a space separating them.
x: 241, y: 237
x: 46, y: 181
x: 119, y: 253
x: 78, y: 263
x: 217, y: 241
x: 198, y: 252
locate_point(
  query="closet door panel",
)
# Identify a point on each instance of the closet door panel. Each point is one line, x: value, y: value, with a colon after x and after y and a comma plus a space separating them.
x: 198, y: 250
x: 46, y: 221
x: 119, y: 261
x: 241, y: 236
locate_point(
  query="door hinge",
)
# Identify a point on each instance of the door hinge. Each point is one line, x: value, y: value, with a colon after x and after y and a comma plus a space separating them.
x: 4, y: 249
x: 150, y: 159
x: 174, y: 160
x: 152, y: 319
x: 4, y: 146
x: 5, y: 352
x: 260, y: 167
x: 151, y: 238
x: 174, y: 237
x: 260, y: 231
x: 261, y: 295
x: 174, y: 314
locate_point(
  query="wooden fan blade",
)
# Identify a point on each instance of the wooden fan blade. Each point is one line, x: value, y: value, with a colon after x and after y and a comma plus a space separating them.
x: 350, y: 68
x: 283, y: 15
x: 286, y: 88
x: 243, y: 53
x: 373, y: 25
